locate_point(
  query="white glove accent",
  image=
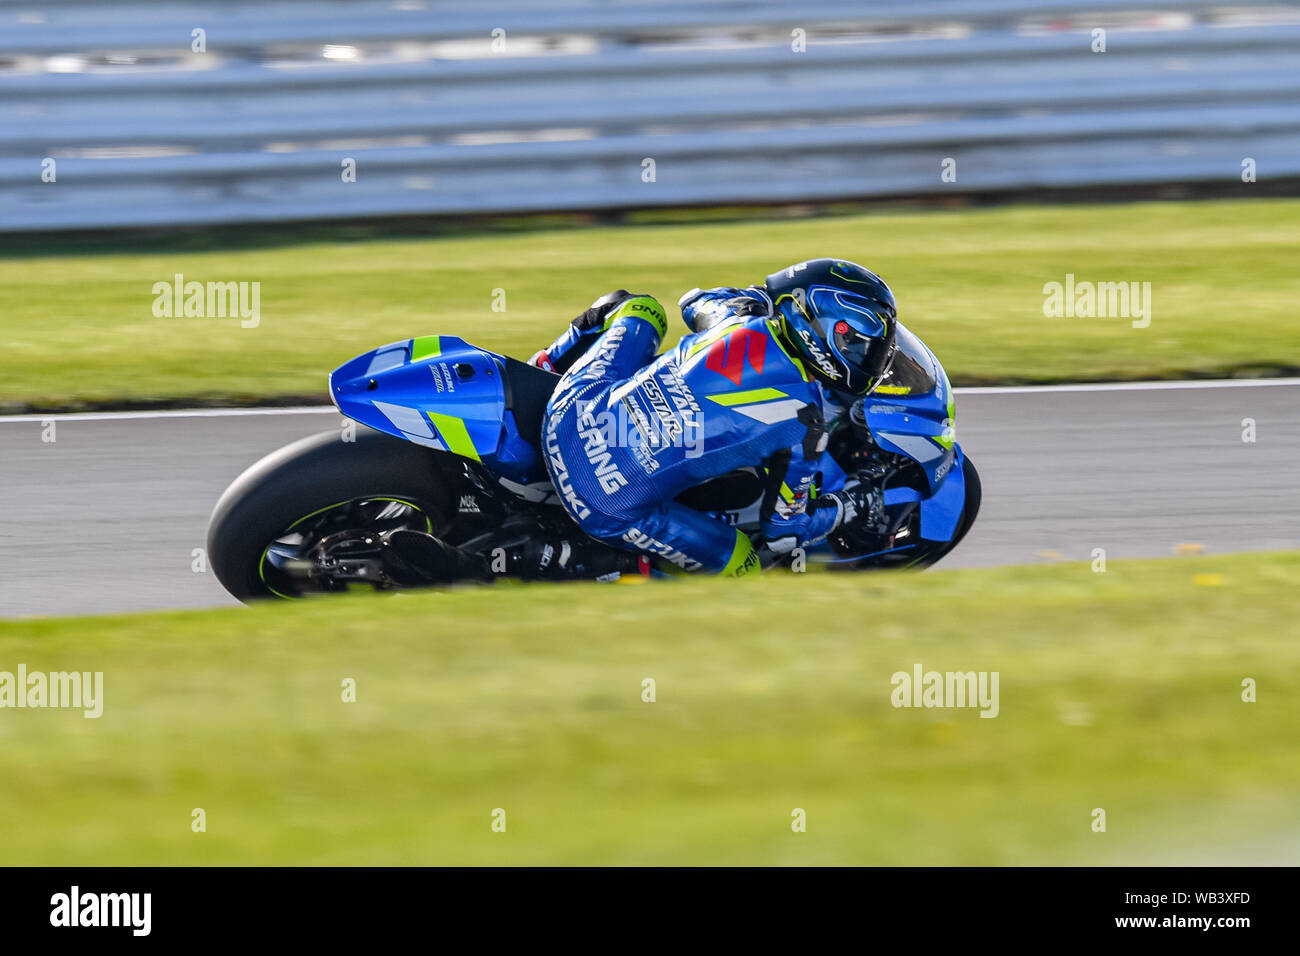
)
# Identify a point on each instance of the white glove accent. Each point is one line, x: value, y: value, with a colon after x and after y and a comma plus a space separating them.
x: 848, y: 510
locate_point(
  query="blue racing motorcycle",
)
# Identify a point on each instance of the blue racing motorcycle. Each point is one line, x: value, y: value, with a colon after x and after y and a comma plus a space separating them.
x: 449, y: 446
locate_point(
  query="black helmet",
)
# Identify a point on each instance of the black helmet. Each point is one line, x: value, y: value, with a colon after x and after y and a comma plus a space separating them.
x: 840, y: 318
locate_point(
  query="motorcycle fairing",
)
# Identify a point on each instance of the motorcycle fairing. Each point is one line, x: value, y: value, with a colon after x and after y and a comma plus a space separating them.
x: 912, y: 414
x: 441, y: 392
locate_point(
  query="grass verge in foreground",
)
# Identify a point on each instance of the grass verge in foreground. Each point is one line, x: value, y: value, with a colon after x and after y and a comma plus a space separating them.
x: 79, y: 329
x: 1119, y: 691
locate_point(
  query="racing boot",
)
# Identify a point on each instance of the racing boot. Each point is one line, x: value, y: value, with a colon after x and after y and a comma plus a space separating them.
x: 414, y: 559
x: 561, y: 354
x: 569, y: 558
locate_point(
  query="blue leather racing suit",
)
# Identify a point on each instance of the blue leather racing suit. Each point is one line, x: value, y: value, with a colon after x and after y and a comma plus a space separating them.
x: 626, y: 431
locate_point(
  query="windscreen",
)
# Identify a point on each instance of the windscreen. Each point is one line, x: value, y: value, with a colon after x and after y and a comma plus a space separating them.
x: 912, y: 370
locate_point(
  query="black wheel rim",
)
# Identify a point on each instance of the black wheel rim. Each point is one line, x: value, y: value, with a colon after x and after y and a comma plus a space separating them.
x: 283, y: 566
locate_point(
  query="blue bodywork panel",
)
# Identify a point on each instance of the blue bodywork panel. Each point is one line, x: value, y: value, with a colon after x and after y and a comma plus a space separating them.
x: 441, y: 392
x: 914, y: 416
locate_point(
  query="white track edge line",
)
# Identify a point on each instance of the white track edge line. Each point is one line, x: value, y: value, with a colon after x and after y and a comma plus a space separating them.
x: 1208, y: 383
x: 169, y: 413
x: 975, y: 390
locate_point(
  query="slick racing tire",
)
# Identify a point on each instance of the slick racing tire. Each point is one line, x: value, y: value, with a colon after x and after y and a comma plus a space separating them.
x: 318, y: 485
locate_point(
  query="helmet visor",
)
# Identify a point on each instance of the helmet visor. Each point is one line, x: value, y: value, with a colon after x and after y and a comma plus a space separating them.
x: 866, y: 355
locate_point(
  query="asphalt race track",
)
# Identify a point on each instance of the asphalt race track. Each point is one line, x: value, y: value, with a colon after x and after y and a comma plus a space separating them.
x: 107, y: 516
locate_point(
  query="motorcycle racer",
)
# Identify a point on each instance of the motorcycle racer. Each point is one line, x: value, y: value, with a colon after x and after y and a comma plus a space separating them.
x: 793, y: 410
x: 758, y: 382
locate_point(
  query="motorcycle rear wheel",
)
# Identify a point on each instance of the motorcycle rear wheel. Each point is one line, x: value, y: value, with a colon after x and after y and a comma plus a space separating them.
x: 274, y: 514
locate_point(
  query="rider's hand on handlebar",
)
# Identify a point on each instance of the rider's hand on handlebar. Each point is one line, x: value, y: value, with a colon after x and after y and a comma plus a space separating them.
x: 856, y: 501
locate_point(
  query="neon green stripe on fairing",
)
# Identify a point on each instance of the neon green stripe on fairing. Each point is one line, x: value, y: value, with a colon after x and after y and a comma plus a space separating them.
x: 454, y: 434
x: 426, y: 346
x: 742, y: 398
x: 949, y: 436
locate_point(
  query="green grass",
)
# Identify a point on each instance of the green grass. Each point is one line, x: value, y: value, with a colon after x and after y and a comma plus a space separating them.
x: 1118, y: 690
x: 78, y: 328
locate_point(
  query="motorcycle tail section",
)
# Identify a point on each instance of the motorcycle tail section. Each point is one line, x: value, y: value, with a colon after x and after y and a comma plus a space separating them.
x: 441, y: 392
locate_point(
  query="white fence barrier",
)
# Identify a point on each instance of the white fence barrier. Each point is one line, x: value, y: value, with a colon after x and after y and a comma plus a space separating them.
x: 168, y: 112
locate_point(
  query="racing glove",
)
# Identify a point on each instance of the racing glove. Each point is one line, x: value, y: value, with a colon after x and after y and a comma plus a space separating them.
x: 702, y: 309
x: 857, y: 503
x: 847, y: 504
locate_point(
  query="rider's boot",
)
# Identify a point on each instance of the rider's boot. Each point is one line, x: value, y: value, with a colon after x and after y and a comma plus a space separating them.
x: 414, y: 559
x: 564, y: 558
x: 561, y: 354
